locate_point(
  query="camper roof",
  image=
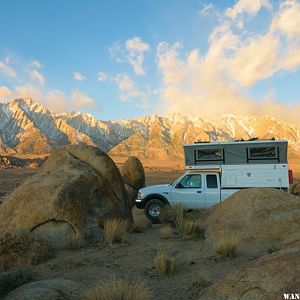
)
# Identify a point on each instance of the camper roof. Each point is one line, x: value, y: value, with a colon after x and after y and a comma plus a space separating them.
x: 258, y: 141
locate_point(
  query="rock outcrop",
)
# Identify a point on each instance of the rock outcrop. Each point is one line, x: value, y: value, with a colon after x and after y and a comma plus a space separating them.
x: 258, y: 219
x: 50, y: 289
x: 78, y: 187
x: 133, y: 175
x: 16, y: 162
x: 268, y: 277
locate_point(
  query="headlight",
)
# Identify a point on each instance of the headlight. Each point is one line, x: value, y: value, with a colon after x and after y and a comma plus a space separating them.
x: 139, y: 196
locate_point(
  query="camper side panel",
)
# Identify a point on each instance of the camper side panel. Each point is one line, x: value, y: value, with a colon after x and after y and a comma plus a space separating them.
x: 262, y: 175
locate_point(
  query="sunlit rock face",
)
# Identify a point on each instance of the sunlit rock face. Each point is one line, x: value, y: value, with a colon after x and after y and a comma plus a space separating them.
x: 77, y: 189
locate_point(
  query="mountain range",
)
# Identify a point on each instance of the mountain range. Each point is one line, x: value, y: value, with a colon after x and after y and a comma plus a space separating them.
x: 28, y: 127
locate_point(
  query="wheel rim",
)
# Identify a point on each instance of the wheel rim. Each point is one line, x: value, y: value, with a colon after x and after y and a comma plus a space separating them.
x: 154, y: 210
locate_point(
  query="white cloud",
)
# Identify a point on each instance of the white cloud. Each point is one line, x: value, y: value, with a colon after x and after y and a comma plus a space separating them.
x: 219, y: 80
x: 102, y: 76
x: 255, y: 61
x: 6, y: 69
x: 28, y: 90
x: 81, y: 100
x: 37, y: 76
x: 5, y: 93
x: 250, y: 7
x: 206, y: 10
x: 287, y: 20
x: 36, y: 64
x: 133, y: 53
x: 78, y: 76
x: 129, y: 90
x: 57, y: 101
x: 136, y: 48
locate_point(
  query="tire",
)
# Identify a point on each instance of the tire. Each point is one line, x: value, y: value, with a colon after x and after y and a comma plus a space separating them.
x: 153, y: 210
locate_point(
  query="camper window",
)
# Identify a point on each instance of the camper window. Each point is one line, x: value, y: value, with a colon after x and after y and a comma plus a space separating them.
x: 210, y: 154
x: 262, y: 152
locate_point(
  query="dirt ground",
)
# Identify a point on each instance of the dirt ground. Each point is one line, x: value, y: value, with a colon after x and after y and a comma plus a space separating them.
x: 197, y: 262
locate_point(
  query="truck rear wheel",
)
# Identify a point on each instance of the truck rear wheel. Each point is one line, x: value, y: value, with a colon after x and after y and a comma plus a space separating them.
x: 153, y: 210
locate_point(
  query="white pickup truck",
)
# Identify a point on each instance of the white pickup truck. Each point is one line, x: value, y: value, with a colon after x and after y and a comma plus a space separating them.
x: 205, y: 184
x: 193, y: 190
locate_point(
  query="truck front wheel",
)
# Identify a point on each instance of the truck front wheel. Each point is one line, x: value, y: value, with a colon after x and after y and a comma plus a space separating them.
x: 153, y: 210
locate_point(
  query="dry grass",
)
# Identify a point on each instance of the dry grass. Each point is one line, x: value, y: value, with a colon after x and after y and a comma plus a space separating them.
x: 165, y: 264
x: 173, y: 215
x: 116, y: 231
x: 140, y: 226
x: 11, y: 280
x: 76, y: 242
x: 117, y: 289
x: 21, y: 248
x: 167, y: 232
x: 188, y: 224
x: 226, y: 246
x: 192, y: 228
x: 200, y: 282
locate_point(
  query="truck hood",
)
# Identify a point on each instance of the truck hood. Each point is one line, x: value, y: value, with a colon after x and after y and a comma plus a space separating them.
x: 155, y: 189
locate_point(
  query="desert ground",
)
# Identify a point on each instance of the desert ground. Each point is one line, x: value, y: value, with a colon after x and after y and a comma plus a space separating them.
x: 197, y: 264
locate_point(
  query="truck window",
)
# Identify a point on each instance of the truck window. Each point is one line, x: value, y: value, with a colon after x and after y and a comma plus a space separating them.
x: 191, y: 181
x: 211, y: 181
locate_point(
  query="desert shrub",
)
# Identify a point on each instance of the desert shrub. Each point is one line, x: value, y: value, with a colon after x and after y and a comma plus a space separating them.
x: 12, y: 279
x: 195, y: 214
x: 166, y: 232
x: 187, y: 223
x: 20, y: 248
x: 76, y: 241
x: 192, y: 228
x: 117, y: 289
x: 173, y: 215
x: 115, y: 231
x: 226, y: 246
x: 164, y: 263
x: 140, y: 225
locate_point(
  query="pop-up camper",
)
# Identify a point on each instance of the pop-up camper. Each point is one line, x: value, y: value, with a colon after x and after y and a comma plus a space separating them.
x: 242, y: 164
x: 216, y: 170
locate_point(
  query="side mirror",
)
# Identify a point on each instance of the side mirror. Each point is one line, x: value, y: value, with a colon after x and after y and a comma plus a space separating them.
x: 178, y: 186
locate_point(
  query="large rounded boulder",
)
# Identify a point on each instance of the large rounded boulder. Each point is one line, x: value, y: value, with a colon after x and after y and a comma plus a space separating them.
x: 269, y: 277
x: 77, y: 188
x: 258, y: 220
x: 133, y: 175
x: 49, y: 289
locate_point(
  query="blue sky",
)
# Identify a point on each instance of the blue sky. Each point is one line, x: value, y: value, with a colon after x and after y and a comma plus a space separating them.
x: 122, y: 59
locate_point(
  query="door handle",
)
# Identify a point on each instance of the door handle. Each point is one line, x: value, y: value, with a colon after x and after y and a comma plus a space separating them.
x: 199, y: 192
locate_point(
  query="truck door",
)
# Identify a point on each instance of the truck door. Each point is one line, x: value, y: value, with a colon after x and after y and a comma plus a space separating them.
x: 212, y: 189
x: 189, y: 191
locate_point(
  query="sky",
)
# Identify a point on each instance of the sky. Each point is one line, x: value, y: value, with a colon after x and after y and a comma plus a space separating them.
x: 123, y: 59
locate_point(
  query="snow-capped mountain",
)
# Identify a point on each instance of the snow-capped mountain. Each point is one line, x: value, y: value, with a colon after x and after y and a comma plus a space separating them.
x: 28, y: 127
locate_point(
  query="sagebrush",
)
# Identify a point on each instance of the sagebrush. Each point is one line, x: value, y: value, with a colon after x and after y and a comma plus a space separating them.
x: 118, y: 289
x: 164, y: 263
x: 21, y: 248
x: 226, y: 245
x: 116, y: 231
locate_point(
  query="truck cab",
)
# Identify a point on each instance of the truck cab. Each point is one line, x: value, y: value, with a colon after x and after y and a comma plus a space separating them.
x: 193, y: 190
